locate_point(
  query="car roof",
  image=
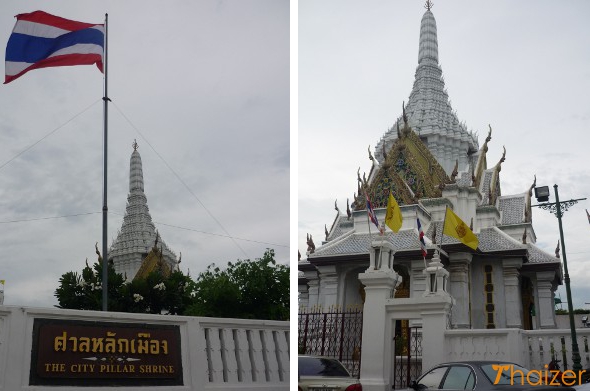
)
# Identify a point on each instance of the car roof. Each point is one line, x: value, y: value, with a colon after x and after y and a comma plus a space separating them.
x: 476, y: 362
x: 312, y: 356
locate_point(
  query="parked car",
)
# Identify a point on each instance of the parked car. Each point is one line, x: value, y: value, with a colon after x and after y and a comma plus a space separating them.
x: 483, y: 376
x: 325, y: 374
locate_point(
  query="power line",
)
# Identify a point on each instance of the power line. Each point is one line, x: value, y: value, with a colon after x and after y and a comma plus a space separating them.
x: 223, y: 236
x: 47, y: 135
x: 227, y: 234
x: 211, y: 233
x: 47, y: 218
x: 180, y: 179
x: 156, y: 222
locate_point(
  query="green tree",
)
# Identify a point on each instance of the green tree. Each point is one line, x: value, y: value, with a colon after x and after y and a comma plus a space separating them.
x: 84, y: 291
x: 247, y: 289
x: 155, y: 294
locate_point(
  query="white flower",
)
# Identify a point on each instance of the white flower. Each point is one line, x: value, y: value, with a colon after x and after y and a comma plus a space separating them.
x: 137, y: 297
x: 160, y: 286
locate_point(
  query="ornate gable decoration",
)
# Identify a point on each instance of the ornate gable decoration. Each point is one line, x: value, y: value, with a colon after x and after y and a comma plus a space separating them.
x: 152, y: 262
x: 409, y: 171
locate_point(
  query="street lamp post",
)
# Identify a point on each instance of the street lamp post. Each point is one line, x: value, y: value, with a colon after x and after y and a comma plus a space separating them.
x: 542, y: 194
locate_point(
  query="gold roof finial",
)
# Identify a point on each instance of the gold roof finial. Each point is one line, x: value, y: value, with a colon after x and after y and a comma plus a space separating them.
x: 428, y: 5
x: 135, y: 145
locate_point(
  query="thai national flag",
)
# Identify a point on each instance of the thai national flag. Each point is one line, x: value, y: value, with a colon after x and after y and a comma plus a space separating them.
x: 421, y: 237
x: 41, y: 40
x: 371, y: 212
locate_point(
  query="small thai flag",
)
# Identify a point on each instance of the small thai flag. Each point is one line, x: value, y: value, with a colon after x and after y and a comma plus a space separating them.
x: 371, y: 212
x: 421, y: 237
x: 41, y: 40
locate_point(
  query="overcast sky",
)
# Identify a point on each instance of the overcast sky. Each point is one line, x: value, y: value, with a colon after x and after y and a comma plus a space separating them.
x: 521, y: 66
x: 205, y: 83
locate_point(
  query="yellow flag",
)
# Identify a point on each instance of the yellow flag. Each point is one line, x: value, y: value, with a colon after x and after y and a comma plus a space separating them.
x: 456, y: 228
x: 393, y: 217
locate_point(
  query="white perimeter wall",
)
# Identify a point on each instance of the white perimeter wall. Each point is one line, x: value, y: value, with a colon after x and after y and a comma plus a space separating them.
x: 263, y: 364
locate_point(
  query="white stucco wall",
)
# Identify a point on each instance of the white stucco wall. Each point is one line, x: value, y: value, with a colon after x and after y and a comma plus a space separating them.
x: 210, y: 359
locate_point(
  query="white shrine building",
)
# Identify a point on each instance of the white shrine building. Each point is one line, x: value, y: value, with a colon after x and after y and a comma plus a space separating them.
x: 137, y: 236
x: 430, y: 161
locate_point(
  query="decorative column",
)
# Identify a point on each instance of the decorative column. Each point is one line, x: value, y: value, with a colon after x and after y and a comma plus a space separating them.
x: 545, y: 288
x: 436, y: 278
x: 418, y: 282
x: 459, y: 289
x: 303, y: 296
x: 313, y: 284
x: 328, y: 293
x: 376, y: 349
x: 435, y: 313
x: 513, y: 303
x: 381, y: 255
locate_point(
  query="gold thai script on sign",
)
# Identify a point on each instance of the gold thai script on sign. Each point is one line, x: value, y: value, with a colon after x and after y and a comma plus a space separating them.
x: 99, y: 353
x: 109, y: 344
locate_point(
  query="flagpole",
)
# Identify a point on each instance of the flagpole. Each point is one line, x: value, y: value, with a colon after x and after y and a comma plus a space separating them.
x: 423, y: 257
x: 371, y: 238
x: 105, y: 261
x: 442, y: 235
x: 382, y: 234
x: 369, y: 225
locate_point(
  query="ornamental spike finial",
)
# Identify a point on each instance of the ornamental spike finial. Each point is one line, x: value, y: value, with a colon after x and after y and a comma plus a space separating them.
x: 428, y: 5
x: 404, y: 116
x: 135, y: 145
x: 348, y: 212
x: 503, y: 158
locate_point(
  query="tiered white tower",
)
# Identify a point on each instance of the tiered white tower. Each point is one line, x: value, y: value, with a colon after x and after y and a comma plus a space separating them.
x: 429, y: 111
x: 137, y: 235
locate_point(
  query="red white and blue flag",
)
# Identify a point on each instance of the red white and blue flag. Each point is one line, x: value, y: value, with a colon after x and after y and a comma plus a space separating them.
x: 371, y: 212
x: 41, y: 40
x: 421, y: 237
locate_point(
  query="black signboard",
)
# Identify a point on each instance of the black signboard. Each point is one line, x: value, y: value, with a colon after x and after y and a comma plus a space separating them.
x: 87, y: 353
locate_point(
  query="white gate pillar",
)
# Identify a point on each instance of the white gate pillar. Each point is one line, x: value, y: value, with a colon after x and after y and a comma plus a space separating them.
x: 434, y: 324
x: 435, y: 311
x: 376, y: 350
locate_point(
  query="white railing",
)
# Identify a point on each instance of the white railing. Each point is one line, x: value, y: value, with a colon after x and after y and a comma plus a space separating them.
x: 217, y: 354
x: 244, y: 353
x: 530, y: 348
x: 544, y: 344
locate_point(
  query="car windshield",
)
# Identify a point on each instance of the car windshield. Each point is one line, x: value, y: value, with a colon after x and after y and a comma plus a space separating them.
x: 321, y: 366
x: 509, y: 374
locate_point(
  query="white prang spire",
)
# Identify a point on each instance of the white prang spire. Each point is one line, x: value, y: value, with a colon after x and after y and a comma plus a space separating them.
x: 138, y: 233
x: 429, y: 111
x: 428, y: 50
